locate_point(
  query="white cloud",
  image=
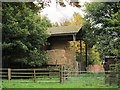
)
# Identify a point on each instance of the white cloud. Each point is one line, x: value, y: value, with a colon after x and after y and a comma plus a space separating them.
x: 57, y: 13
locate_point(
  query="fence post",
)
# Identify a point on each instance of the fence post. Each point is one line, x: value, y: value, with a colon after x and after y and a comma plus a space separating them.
x: 118, y: 81
x: 61, y: 74
x: 64, y: 73
x: 34, y: 76
x: 56, y: 63
x: 9, y: 74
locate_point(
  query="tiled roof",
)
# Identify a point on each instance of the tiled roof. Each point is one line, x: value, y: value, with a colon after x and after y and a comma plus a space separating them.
x: 63, y: 30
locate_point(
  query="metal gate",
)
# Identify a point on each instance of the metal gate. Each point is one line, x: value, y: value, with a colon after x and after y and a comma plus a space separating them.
x: 91, y: 78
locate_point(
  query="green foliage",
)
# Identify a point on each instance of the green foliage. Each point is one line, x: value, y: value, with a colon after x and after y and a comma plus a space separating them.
x: 55, y: 24
x: 93, y: 56
x: 102, y: 26
x: 24, y: 35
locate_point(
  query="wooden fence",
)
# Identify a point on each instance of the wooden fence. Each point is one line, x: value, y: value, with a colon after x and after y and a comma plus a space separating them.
x: 37, y: 74
x: 59, y: 74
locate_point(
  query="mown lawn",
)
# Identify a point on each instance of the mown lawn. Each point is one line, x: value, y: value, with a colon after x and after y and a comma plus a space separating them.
x: 72, y: 82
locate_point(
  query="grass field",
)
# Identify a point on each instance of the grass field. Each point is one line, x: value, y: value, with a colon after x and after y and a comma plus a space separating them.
x: 81, y: 81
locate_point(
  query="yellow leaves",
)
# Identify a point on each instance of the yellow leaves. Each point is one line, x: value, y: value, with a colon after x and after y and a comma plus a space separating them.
x: 94, y: 56
x: 76, y: 20
x: 77, y: 46
x: 71, y: 24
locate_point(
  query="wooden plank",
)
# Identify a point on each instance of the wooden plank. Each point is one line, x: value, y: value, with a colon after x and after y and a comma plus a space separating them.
x: 47, y: 73
x: 47, y: 69
x: 3, y: 72
x: 3, y: 75
x: 48, y: 76
x: 41, y: 73
x: 44, y: 69
x: 23, y: 79
x: 28, y: 73
x: 3, y: 68
x: 20, y: 73
x: 21, y: 76
x: 22, y: 69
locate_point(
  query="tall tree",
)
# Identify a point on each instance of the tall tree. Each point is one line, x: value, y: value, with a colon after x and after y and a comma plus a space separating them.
x: 102, y: 27
x: 24, y: 34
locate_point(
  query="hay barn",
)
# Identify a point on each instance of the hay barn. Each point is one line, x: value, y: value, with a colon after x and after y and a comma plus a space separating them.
x: 58, y: 50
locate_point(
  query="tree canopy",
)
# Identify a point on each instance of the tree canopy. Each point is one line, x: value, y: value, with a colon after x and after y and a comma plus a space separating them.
x: 102, y: 26
x: 24, y: 35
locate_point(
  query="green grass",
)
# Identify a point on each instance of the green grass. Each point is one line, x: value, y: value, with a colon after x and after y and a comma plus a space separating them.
x: 81, y: 81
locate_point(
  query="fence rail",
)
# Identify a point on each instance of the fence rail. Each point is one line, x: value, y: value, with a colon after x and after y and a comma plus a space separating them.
x: 56, y: 75
x: 37, y: 74
x: 106, y: 77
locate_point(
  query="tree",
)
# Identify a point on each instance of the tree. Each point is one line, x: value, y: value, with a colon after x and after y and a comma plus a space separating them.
x: 75, y: 20
x: 24, y: 35
x: 102, y: 27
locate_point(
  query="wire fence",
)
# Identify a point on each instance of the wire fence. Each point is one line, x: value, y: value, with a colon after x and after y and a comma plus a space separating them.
x: 112, y: 76
x: 60, y: 75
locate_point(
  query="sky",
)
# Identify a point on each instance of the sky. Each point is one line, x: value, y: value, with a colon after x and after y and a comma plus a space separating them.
x: 57, y: 13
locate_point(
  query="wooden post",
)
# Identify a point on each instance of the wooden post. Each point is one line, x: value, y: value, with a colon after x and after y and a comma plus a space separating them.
x: 86, y: 54
x: 118, y: 79
x: 34, y: 76
x: 80, y: 54
x: 69, y: 68
x: 74, y: 39
x: 61, y: 74
x: 80, y: 50
x: 69, y: 61
x: 9, y: 74
x: 56, y: 63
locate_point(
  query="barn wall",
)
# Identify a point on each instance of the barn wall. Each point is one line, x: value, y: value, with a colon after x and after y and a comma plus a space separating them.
x: 60, y: 51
